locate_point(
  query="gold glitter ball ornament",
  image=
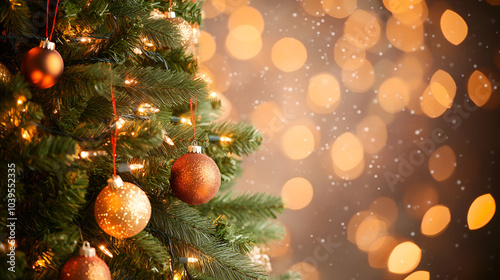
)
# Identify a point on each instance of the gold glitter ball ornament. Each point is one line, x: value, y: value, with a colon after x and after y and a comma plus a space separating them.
x: 86, y: 266
x: 195, y: 177
x: 42, y: 66
x: 185, y: 30
x: 5, y: 75
x: 122, y: 209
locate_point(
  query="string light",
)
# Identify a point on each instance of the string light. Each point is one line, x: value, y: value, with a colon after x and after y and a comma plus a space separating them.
x: 185, y: 260
x: 40, y: 263
x: 21, y: 100
x: 213, y: 94
x: 186, y: 121
x: 147, y: 42
x: 225, y: 139
x: 26, y: 135
x: 137, y: 50
x: 147, y: 108
x: 130, y: 82
x: 167, y: 139
x: 106, y: 251
x: 87, y: 154
x: 120, y: 123
x: 136, y: 166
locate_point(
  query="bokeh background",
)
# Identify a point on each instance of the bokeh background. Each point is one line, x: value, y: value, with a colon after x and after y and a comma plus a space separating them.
x: 381, y: 122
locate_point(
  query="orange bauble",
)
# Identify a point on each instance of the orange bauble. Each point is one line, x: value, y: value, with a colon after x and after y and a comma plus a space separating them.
x: 42, y: 66
x: 86, y: 266
x: 195, y: 177
x: 122, y: 209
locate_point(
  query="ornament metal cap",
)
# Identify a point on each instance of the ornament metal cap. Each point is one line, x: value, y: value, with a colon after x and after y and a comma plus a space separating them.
x: 170, y: 14
x: 86, y: 250
x: 115, y: 182
x: 194, y: 149
x: 46, y: 44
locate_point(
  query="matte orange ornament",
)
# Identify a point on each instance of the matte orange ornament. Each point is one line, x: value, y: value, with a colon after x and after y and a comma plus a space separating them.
x: 86, y: 266
x: 195, y: 177
x: 42, y: 66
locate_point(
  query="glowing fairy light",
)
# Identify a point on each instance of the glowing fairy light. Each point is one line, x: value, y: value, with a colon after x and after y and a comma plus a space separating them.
x: 167, y: 139
x: 225, y: 139
x: 136, y: 166
x: 120, y: 123
x: 106, y: 251
x: 213, y: 94
x: 147, y: 108
x: 186, y: 121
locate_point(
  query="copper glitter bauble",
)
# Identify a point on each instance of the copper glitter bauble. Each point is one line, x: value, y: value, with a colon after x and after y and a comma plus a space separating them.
x: 5, y: 75
x: 185, y: 30
x: 42, y: 66
x: 86, y: 266
x: 195, y: 177
x: 122, y: 209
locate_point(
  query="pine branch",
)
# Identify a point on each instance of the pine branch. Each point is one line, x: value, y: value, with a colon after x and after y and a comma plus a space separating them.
x: 15, y: 17
x: 244, y: 138
x: 290, y: 275
x: 244, y: 206
x: 157, y: 86
x: 194, y: 236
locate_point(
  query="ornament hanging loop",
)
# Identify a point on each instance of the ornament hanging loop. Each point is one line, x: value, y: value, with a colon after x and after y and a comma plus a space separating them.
x: 115, y: 182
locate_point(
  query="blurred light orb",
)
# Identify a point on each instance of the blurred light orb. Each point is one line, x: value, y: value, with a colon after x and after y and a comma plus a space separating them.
x: 347, y: 151
x: 454, y: 27
x: 360, y: 79
x: 368, y: 231
x: 419, y: 275
x: 394, y: 95
x: 362, y: 29
x: 298, y: 142
x: 435, y: 220
x: 246, y: 15
x: 339, y: 8
x: 307, y: 270
x: 347, y: 56
x: 206, y: 46
x: 243, y: 42
x: 481, y: 211
x: 372, y: 132
x: 429, y: 105
x: 297, y: 193
x: 479, y: 88
x: 414, y: 16
x: 400, y: 6
x: 268, y: 118
x: 420, y: 198
x: 312, y: 7
x: 404, y: 258
x: 288, y: 54
x: 443, y: 88
x: 442, y: 163
x: 385, y: 209
x: 323, y: 93
x: 350, y: 174
x: 380, y: 250
x: 408, y: 38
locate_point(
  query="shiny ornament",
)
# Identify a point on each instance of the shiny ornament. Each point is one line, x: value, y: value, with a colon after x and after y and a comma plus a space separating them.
x: 86, y: 266
x: 185, y: 30
x: 122, y: 209
x: 195, y: 177
x: 5, y: 75
x: 42, y: 66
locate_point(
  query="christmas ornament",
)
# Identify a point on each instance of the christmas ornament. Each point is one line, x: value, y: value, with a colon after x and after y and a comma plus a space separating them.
x: 122, y: 209
x: 5, y: 75
x: 86, y: 266
x: 185, y: 30
x: 195, y: 177
x: 43, y: 65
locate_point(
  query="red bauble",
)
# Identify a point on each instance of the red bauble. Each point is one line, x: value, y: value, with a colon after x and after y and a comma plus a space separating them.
x: 195, y: 177
x: 42, y: 66
x: 86, y: 266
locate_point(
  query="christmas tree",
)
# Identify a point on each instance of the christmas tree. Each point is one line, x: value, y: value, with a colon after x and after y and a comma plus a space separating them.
x: 100, y: 101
